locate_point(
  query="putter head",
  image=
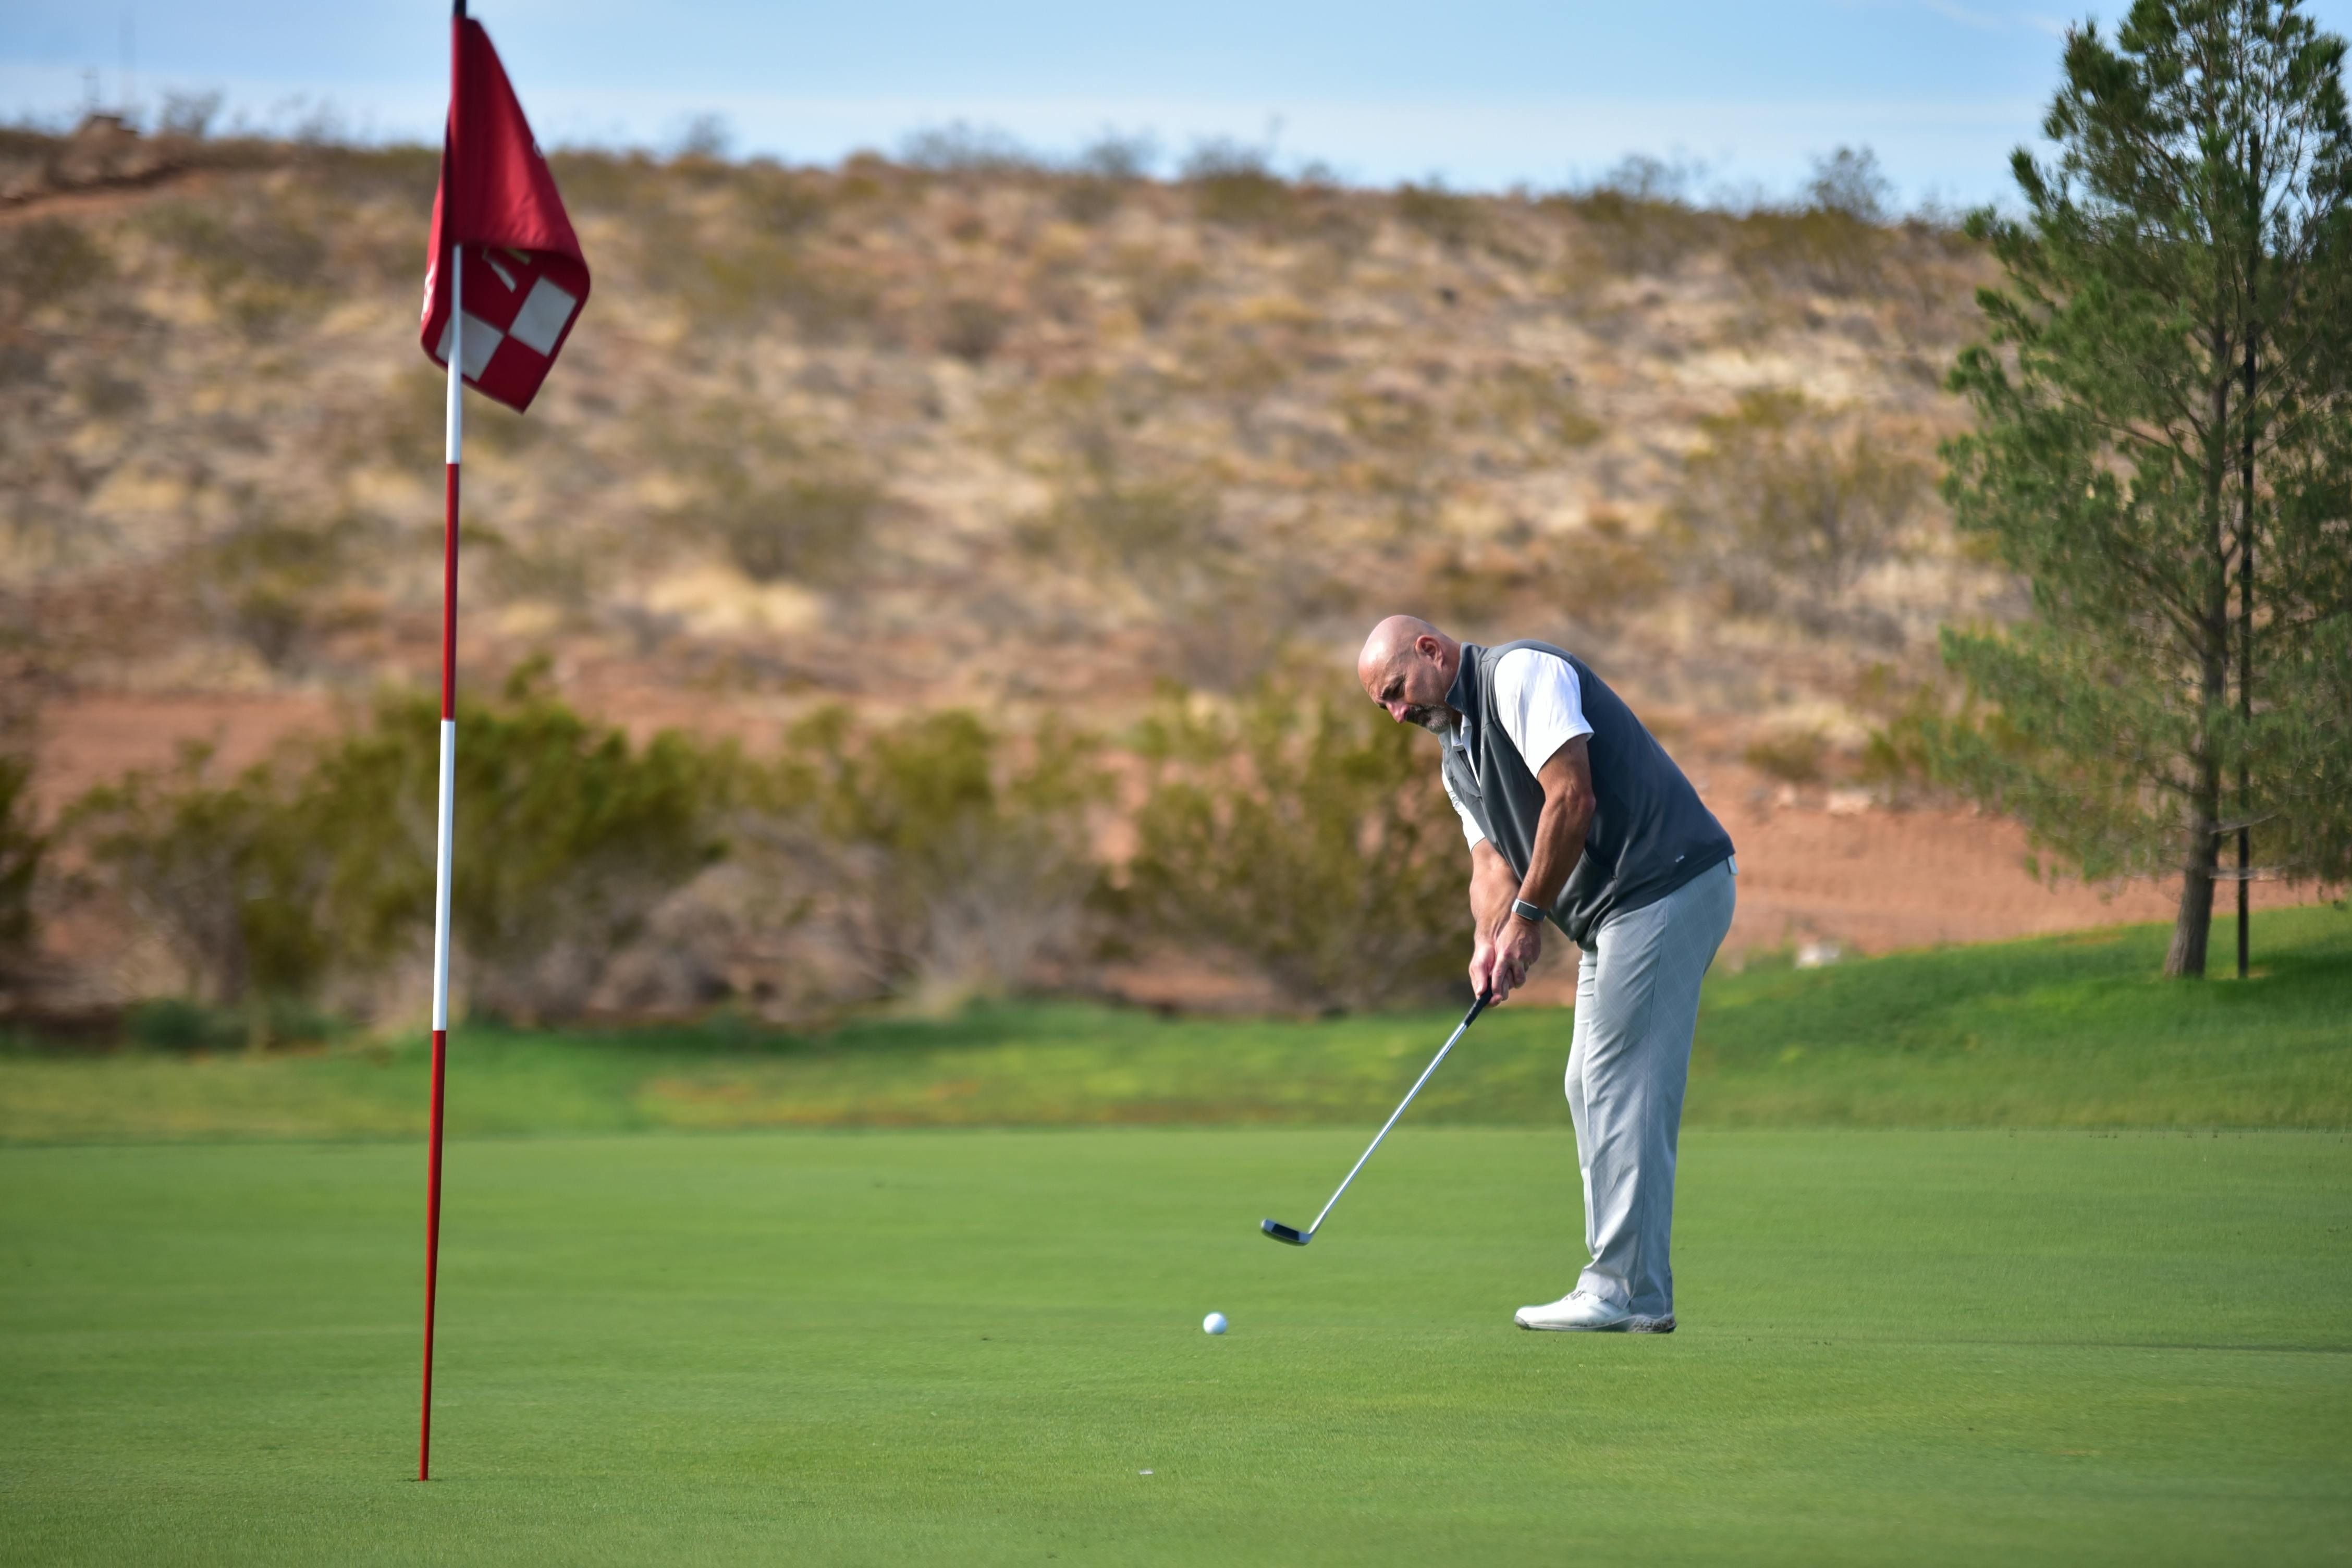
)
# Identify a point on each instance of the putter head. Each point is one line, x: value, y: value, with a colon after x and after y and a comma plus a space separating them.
x: 1281, y: 1232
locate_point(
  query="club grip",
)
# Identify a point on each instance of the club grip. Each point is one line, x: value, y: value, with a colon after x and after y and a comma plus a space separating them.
x: 1476, y: 1007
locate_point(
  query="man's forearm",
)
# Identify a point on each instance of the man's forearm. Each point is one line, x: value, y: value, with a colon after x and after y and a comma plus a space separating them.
x: 1559, y: 845
x: 1491, y: 889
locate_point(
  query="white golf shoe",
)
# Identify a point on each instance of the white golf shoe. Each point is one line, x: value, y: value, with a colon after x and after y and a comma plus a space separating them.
x: 1578, y: 1313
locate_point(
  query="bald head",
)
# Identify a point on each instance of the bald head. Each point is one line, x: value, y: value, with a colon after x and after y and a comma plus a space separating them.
x: 1408, y: 668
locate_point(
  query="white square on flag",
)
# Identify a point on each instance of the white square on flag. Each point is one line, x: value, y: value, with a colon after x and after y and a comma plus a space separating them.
x: 545, y: 312
x: 482, y: 341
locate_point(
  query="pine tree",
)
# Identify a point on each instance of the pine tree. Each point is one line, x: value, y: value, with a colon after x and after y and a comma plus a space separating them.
x: 2161, y: 450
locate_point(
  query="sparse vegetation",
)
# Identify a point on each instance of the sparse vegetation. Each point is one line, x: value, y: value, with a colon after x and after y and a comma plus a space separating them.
x: 1599, y: 575
x: 225, y: 871
x: 1305, y: 838
x: 46, y: 261
x: 23, y: 845
x: 261, y: 260
x: 1535, y: 406
x: 1151, y: 531
x: 268, y: 581
x: 807, y: 529
x: 1788, y: 511
x: 1157, y: 286
x: 1445, y: 216
x: 1036, y: 431
x: 578, y: 835
x: 269, y: 885
x: 1103, y: 175
x: 1792, y: 756
x: 1232, y: 183
x: 942, y: 861
x: 973, y: 328
x: 777, y: 510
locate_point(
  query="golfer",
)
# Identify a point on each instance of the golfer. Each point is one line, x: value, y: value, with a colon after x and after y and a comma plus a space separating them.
x: 1575, y: 814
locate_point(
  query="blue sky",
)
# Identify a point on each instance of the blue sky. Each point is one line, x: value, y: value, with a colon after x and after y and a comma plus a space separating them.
x: 1485, y: 93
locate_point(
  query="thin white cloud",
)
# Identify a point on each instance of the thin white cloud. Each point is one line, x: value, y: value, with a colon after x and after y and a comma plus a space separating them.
x: 1968, y: 16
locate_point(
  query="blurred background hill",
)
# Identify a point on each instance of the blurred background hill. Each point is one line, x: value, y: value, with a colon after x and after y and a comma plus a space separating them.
x: 968, y: 513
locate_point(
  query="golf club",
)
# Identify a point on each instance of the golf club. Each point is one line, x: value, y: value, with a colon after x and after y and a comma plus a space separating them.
x: 1283, y: 1233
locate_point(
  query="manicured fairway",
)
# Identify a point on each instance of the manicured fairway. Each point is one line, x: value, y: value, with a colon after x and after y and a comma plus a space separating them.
x: 965, y: 1347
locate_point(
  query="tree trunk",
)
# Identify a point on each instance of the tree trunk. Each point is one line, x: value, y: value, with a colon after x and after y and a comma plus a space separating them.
x: 2255, y: 182
x: 2194, y: 924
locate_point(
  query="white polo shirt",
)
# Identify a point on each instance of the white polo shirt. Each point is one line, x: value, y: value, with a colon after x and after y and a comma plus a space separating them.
x: 1541, y: 705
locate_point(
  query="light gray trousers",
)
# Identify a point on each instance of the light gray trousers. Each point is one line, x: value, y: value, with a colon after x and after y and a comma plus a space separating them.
x: 1637, y: 1009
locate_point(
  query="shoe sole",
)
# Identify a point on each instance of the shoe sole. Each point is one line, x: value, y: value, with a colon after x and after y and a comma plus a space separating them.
x: 1622, y: 1326
x: 1619, y: 1327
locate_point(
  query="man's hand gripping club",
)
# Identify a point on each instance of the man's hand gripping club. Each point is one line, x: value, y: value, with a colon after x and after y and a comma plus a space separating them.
x: 1506, y: 943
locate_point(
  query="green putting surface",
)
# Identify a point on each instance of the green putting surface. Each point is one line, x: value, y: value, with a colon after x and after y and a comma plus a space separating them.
x: 1965, y: 1347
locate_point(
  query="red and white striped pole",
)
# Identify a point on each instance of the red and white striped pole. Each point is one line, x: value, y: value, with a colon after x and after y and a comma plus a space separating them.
x: 444, y: 824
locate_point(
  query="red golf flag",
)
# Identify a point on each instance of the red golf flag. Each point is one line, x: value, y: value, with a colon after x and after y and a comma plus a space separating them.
x: 525, y: 278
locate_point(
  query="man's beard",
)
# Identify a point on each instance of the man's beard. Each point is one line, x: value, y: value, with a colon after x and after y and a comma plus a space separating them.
x: 1436, y: 720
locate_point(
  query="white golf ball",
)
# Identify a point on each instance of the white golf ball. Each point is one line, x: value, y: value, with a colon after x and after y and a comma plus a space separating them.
x: 1214, y: 1323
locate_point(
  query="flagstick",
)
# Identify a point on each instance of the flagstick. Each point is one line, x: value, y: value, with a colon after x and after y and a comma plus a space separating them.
x: 443, y: 824
x: 443, y: 836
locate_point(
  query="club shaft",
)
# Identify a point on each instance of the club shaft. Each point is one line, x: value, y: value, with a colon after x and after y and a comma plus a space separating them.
x: 1467, y: 1020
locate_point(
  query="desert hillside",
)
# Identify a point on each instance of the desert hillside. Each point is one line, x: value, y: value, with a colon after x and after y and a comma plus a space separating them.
x: 963, y: 432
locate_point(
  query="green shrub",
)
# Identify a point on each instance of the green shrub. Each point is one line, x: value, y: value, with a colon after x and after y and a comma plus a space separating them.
x: 46, y: 261
x: 267, y: 580
x: 728, y: 283
x: 806, y: 529
x: 568, y: 837
x: 403, y: 177
x: 1836, y: 241
x: 1451, y: 220
x: 23, y: 846
x: 1537, y: 408
x: 1141, y: 527
x: 631, y: 185
x: 777, y: 511
x: 1849, y: 181
x: 1782, y: 510
x: 188, y: 115
x: 1308, y: 836
x: 1102, y: 176
x: 176, y: 1023
x: 269, y: 885
x: 1794, y: 757
x: 1826, y: 250
x: 973, y: 328
x: 258, y: 258
x: 783, y: 203
x: 1598, y: 575
x: 962, y: 150
x: 1156, y: 287
x: 947, y: 860
x: 1232, y: 183
x: 229, y: 873
x: 1638, y: 216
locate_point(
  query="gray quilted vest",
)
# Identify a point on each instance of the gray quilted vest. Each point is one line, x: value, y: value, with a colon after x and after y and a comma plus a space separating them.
x: 1650, y: 831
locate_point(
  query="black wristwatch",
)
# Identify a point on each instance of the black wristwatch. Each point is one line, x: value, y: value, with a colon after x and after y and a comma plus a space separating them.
x: 1527, y: 911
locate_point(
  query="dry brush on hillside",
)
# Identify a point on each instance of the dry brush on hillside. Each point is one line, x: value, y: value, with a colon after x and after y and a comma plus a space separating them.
x: 963, y: 429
